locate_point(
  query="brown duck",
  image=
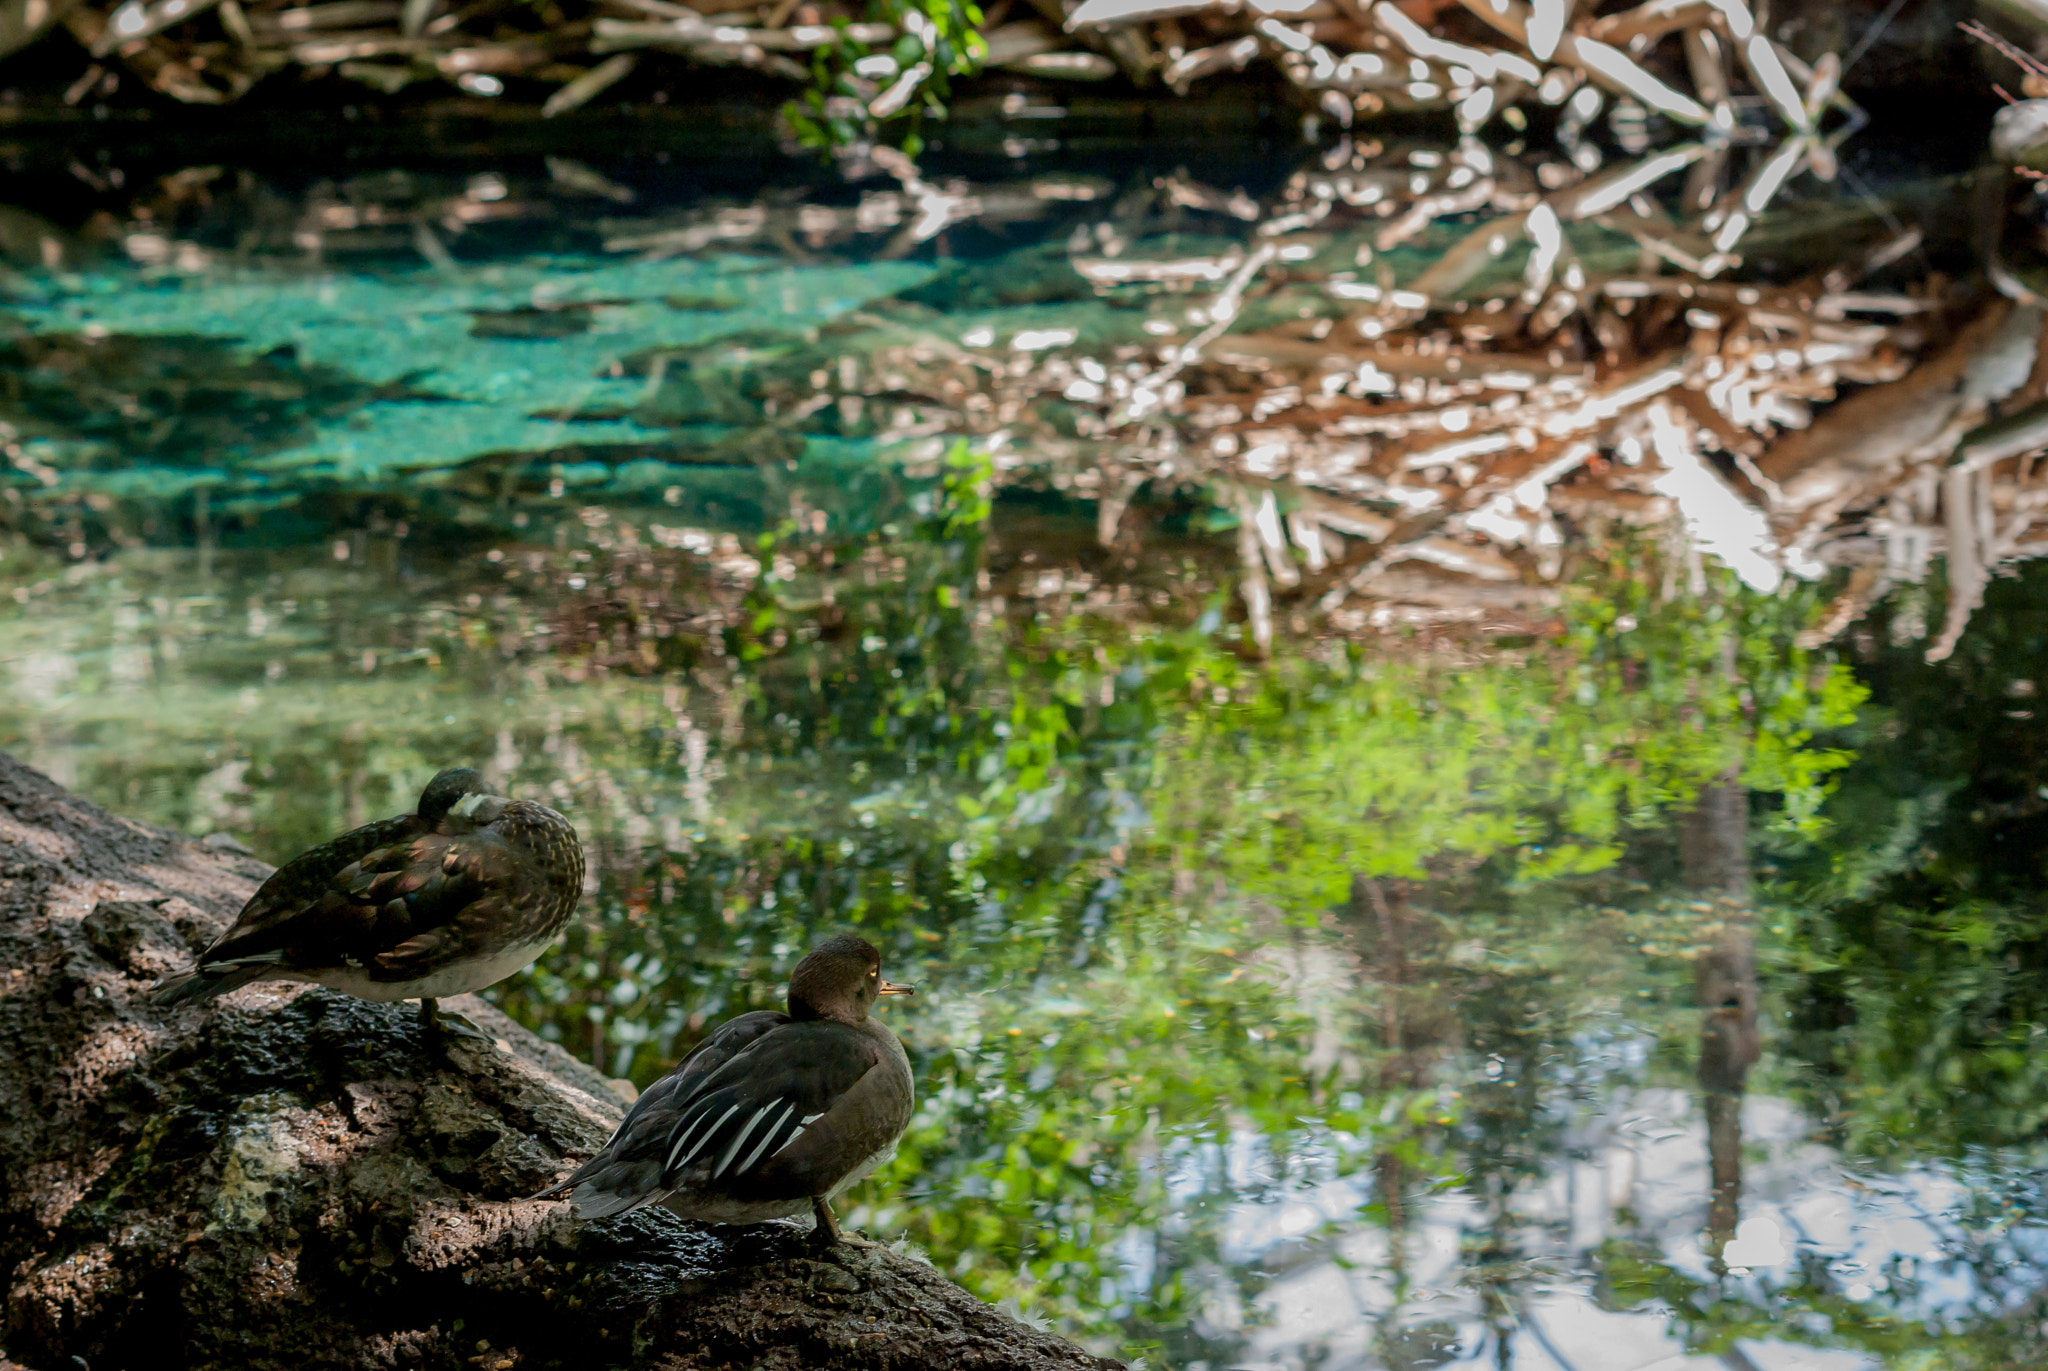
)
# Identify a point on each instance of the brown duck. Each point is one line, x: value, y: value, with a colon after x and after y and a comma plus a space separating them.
x: 772, y: 1115
x: 444, y: 901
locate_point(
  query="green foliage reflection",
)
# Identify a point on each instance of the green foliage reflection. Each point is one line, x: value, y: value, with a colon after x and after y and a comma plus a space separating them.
x: 1199, y: 935
x: 1921, y: 930
x: 1141, y: 875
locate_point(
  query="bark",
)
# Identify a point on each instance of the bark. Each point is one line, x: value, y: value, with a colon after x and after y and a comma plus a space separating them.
x: 286, y: 1180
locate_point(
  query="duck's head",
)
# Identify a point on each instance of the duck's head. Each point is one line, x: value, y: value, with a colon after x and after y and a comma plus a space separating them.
x: 840, y: 979
x: 448, y: 790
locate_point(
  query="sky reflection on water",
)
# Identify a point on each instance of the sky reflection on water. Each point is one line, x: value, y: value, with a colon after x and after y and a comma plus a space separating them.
x: 1549, y: 952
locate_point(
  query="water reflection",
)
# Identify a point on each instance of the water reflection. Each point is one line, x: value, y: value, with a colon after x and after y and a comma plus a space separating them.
x: 1559, y: 957
x: 1414, y: 374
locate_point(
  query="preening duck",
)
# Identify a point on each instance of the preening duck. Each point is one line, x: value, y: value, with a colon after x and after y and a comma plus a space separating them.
x: 771, y: 1115
x: 443, y: 901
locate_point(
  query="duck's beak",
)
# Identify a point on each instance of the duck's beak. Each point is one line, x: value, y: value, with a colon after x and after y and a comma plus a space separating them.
x: 891, y: 988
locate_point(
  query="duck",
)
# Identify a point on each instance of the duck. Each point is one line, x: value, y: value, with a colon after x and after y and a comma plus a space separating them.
x: 456, y: 896
x: 771, y: 1115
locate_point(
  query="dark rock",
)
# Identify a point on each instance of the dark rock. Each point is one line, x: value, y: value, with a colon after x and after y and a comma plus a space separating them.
x: 116, y: 928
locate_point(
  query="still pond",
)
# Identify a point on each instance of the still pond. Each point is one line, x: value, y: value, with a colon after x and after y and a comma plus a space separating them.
x: 1404, y: 865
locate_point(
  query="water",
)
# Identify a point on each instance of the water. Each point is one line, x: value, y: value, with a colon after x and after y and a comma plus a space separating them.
x: 1326, y: 958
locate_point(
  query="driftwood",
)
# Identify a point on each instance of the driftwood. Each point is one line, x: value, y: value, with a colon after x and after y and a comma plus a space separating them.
x: 1344, y: 61
x: 286, y: 1180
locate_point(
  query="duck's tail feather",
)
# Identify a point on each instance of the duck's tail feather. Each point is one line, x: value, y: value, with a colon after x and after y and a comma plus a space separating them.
x: 589, y: 1202
x: 207, y: 980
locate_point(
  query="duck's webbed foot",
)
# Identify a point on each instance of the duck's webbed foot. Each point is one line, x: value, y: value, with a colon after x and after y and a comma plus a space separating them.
x: 439, y: 1028
x: 826, y: 1233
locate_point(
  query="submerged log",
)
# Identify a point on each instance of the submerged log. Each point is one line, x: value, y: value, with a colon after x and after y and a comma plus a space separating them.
x: 288, y: 1180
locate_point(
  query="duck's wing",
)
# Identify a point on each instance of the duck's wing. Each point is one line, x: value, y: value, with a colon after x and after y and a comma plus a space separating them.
x: 308, y: 892
x: 721, y: 1127
x: 725, y: 1042
x: 626, y: 1172
x: 434, y: 903
x: 398, y: 911
x: 306, y: 879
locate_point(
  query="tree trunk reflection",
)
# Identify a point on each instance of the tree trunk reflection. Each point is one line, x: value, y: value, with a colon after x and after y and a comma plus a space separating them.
x: 1713, y: 847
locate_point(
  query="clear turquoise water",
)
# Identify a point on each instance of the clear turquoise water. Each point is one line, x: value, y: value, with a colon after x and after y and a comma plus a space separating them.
x: 1368, y: 1004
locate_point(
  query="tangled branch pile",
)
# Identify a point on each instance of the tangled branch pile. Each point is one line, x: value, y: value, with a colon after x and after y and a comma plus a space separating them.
x: 1422, y: 377
x: 1373, y: 379
x: 1682, y: 60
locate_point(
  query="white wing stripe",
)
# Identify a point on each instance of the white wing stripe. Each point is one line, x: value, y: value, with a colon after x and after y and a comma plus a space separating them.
x: 767, y: 1137
x: 682, y: 1136
x: 709, y: 1133
x: 673, y: 1164
x: 740, y: 1140
x: 805, y: 1122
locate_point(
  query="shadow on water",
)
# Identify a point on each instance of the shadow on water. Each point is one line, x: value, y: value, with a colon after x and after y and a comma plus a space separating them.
x: 1381, y: 905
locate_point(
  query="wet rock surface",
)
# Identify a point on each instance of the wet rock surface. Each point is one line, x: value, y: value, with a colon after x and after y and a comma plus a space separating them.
x: 288, y: 1179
